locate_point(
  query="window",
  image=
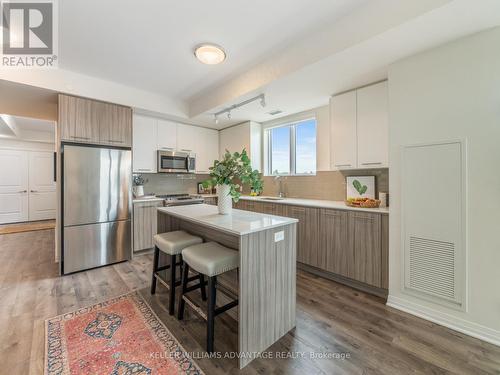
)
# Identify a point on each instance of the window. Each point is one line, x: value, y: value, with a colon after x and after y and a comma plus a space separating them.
x: 291, y: 149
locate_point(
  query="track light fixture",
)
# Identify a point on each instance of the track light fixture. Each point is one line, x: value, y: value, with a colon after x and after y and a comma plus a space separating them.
x: 261, y: 97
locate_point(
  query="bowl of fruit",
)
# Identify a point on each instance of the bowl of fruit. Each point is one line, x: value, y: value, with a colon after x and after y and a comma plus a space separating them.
x: 363, y: 202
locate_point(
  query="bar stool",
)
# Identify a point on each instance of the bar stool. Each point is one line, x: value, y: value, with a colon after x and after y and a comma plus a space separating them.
x: 209, y: 259
x: 172, y: 243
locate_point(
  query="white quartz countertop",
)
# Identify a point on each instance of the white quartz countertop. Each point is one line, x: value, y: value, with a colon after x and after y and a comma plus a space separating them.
x: 239, y: 222
x: 318, y: 203
x: 151, y: 198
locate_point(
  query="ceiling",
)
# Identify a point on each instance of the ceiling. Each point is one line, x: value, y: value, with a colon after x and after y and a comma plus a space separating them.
x: 149, y: 45
x: 141, y: 54
x: 26, y: 128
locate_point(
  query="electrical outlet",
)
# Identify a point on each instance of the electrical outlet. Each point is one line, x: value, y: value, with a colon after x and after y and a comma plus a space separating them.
x: 279, y: 236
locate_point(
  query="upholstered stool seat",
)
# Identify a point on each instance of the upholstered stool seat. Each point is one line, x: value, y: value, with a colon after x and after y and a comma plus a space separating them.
x: 208, y: 259
x: 172, y: 243
x: 211, y: 258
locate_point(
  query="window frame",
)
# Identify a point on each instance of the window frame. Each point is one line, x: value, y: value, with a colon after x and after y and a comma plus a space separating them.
x: 292, y: 125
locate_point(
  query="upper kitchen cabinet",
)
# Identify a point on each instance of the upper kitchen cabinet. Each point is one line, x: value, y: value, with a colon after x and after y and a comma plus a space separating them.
x: 152, y: 134
x: 77, y: 121
x: 145, y: 144
x: 359, y: 128
x: 372, y: 125
x: 244, y: 136
x: 186, y: 138
x: 167, y: 135
x: 343, y: 130
x: 207, y: 149
x: 115, y: 124
x: 89, y: 121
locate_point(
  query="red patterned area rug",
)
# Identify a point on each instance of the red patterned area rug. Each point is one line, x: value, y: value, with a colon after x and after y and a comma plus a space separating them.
x: 121, y: 336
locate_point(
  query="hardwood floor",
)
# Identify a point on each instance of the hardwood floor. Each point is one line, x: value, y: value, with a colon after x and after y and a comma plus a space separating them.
x: 27, y: 226
x: 330, y: 318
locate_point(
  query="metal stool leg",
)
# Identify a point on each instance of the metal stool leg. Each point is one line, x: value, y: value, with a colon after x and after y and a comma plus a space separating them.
x: 155, y: 269
x: 211, y: 313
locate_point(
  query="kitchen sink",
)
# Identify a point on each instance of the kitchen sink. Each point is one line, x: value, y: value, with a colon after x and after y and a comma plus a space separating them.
x: 272, y: 199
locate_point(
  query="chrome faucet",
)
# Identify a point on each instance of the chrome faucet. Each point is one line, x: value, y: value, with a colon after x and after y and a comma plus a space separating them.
x: 281, y: 193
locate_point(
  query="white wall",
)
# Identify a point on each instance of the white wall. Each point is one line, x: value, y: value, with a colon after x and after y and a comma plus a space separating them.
x: 322, y: 115
x: 453, y: 92
x: 26, y: 145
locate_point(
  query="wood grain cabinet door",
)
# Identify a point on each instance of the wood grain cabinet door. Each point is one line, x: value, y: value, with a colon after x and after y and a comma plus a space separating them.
x: 335, y: 255
x: 145, y: 224
x: 364, y: 235
x: 307, y: 233
x: 115, y: 124
x: 76, y: 120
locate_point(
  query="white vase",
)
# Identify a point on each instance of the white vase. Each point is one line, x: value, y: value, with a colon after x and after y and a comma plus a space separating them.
x: 224, y: 200
x: 138, y: 191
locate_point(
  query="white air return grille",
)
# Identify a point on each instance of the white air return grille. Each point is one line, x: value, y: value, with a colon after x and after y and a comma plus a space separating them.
x: 432, y: 267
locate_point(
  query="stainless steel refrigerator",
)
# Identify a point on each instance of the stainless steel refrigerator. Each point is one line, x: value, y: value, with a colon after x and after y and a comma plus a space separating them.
x: 96, y: 206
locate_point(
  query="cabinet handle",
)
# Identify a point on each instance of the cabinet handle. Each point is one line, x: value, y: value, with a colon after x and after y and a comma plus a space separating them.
x: 184, y: 149
x: 166, y: 148
x: 374, y: 163
x: 114, y: 141
x: 22, y: 191
x: 143, y: 169
x: 33, y: 191
x: 343, y: 165
x: 76, y: 137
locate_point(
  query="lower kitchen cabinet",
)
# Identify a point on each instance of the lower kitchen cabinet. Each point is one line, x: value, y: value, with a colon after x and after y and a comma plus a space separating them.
x: 366, y: 245
x: 307, y: 233
x: 145, y: 223
x: 335, y: 254
x: 342, y: 244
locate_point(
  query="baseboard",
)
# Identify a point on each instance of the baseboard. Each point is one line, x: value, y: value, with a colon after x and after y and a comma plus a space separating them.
x: 463, y: 326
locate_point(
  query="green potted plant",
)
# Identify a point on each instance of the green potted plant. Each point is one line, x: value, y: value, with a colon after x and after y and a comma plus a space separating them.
x: 229, y: 175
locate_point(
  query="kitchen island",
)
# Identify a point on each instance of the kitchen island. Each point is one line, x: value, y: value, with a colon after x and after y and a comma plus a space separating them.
x: 267, y: 272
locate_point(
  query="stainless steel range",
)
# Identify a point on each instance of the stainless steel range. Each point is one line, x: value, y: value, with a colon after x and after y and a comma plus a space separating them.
x: 180, y: 199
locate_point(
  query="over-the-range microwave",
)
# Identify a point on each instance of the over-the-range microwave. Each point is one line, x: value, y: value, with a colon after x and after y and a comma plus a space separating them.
x: 176, y: 161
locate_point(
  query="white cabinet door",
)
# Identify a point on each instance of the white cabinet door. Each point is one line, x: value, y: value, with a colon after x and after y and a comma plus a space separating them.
x: 372, y: 120
x: 186, y: 137
x: 343, y: 131
x: 42, y: 187
x: 207, y: 149
x: 144, y: 144
x: 13, y: 186
x: 167, y: 135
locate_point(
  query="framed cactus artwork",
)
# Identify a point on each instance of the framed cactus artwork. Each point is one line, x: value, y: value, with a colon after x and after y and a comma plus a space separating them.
x: 360, y: 187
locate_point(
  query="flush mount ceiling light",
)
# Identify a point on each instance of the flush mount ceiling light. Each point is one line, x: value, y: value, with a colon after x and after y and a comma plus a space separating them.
x: 210, y: 54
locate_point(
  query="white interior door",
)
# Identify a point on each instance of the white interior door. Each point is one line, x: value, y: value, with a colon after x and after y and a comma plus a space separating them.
x: 13, y: 186
x: 42, y: 187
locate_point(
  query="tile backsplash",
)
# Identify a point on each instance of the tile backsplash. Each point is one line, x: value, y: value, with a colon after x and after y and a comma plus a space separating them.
x: 163, y: 183
x: 329, y: 185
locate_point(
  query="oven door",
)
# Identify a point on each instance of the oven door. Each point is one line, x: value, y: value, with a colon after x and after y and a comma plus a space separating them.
x: 172, y: 162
